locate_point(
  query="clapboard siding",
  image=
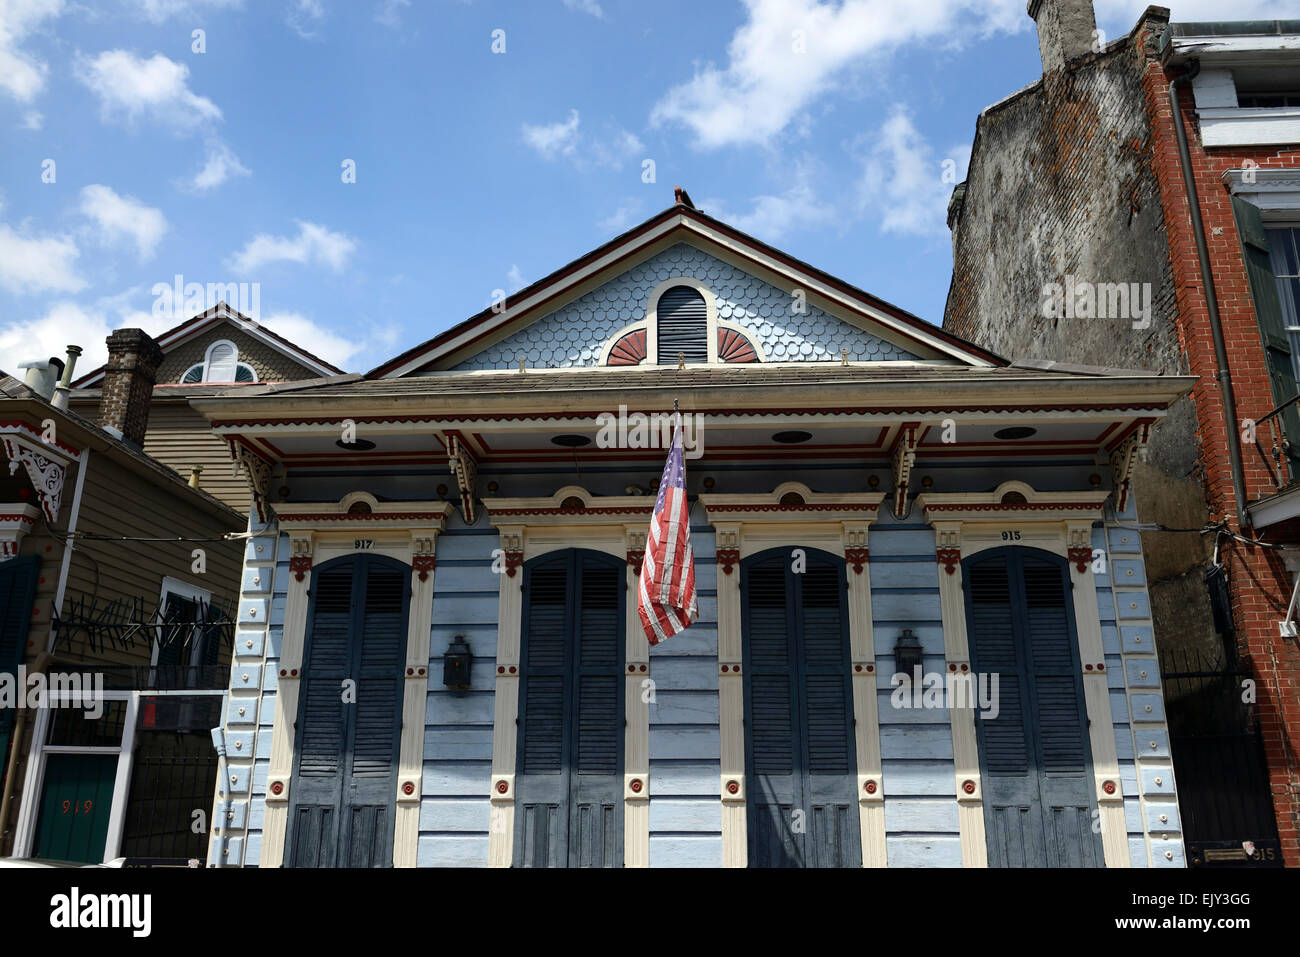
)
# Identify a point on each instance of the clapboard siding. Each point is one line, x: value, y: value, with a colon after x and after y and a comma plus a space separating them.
x: 455, y: 813
x: 685, y: 744
x: 180, y: 438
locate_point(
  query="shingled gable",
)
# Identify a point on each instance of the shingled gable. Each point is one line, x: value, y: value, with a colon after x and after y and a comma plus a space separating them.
x: 206, y: 322
x: 682, y: 223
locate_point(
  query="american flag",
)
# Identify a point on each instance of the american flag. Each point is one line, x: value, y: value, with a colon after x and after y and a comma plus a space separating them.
x: 667, y: 604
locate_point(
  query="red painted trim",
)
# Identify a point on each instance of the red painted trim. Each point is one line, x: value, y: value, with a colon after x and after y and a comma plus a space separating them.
x: 557, y: 510
x: 806, y: 507
x: 1017, y: 506
x: 72, y: 450
x: 360, y: 517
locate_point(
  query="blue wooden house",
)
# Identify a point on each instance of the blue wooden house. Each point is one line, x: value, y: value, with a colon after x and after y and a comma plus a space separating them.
x: 924, y: 634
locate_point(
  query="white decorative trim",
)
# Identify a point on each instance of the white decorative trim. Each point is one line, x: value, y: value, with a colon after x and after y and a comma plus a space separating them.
x: 901, y: 460
x: 652, y: 318
x: 46, y: 464
x: 464, y: 469
x: 1274, y: 191
x: 16, y: 521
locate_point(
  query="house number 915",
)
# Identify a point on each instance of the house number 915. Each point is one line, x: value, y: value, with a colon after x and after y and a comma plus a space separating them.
x: 1012, y: 536
x: 363, y: 543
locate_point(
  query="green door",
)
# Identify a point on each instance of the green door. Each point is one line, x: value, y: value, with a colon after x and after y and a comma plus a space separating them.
x: 75, y: 805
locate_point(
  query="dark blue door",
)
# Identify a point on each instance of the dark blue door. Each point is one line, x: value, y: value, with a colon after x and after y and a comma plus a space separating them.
x: 349, y: 715
x: 17, y: 595
x: 569, y: 778
x: 1035, y: 760
x: 800, y: 756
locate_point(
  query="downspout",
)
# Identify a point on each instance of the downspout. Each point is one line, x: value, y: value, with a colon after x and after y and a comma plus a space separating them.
x: 1223, y: 375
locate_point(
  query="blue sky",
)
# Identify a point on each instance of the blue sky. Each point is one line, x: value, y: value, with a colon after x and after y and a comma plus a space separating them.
x: 820, y: 127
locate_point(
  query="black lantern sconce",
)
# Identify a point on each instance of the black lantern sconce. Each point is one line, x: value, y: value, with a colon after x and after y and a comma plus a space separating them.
x: 456, y: 665
x: 907, y: 654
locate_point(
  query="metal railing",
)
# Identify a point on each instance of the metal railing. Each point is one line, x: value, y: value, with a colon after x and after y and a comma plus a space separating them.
x: 1277, y: 459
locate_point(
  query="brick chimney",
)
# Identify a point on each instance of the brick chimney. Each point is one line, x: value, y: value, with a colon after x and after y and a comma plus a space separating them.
x: 1066, y: 30
x: 133, y: 360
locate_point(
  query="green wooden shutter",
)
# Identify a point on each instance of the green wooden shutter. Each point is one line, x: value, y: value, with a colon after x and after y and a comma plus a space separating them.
x: 1268, y: 315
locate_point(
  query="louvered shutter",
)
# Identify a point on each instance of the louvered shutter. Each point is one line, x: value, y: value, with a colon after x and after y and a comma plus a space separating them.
x: 682, y: 326
x: 569, y: 786
x: 1034, y: 756
x: 799, y: 715
x: 17, y: 596
x: 1268, y: 314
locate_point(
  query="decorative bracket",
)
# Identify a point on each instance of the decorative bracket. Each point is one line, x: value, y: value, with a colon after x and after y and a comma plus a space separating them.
x: 1079, y: 548
x: 512, y: 544
x: 423, y: 561
x: 856, y: 553
x: 46, y: 469
x: 902, y: 458
x: 15, y: 522
x: 1124, y: 455
x: 635, y: 540
x: 464, y: 468
x: 257, y: 473
x: 947, y: 540
x: 727, y: 547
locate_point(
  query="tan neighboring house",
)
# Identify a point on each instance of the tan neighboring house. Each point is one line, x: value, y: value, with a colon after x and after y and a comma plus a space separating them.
x: 117, y: 588
x: 202, y: 357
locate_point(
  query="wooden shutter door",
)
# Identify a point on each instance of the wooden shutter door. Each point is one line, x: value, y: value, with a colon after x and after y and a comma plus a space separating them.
x: 316, y: 790
x: 345, y: 755
x: 1034, y: 757
x: 799, y: 744
x: 379, y: 655
x: 830, y: 754
x: 569, y: 779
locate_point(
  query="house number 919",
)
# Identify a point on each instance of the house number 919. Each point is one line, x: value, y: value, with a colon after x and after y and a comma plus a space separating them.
x: 1012, y: 536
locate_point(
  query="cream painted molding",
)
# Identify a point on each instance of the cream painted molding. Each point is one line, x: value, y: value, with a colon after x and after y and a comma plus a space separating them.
x: 1015, y: 514
x: 528, y: 528
x: 320, y: 532
x: 792, y: 515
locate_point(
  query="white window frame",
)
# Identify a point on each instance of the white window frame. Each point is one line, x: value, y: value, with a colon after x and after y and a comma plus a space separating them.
x: 206, y: 364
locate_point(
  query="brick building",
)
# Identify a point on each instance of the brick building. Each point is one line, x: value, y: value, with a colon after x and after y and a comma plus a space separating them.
x: 1096, y: 227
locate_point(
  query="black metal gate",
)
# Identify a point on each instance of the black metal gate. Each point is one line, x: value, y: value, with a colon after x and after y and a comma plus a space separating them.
x: 1218, y: 753
x: 174, y: 774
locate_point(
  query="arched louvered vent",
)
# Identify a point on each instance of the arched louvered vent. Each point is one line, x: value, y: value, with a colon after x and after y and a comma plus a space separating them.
x: 683, y: 326
x: 734, y: 347
x: 222, y: 359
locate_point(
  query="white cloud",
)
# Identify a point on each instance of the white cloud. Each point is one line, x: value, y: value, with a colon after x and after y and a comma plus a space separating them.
x: 129, y: 87
x: 156, y: 11
x: 586, y: 6
x: 390, y: 12
x: 330, y: 346
x: 313, y: 244
x: 38, y: 263
x: 624, y: 216
x: 304, y: 16
x: 118, y: 216
x: 903, y: 183
x: 32, y: 120
x: 67, y: 322
x: 221, y: 164
x: 768, y: 84
x: 22, y: 74
x: 776, y: 215
x: 564, y: 140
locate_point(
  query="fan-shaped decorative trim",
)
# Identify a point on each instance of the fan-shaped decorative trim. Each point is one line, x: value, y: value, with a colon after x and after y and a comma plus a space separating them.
x: 629, y: 350
x: 734, y: 347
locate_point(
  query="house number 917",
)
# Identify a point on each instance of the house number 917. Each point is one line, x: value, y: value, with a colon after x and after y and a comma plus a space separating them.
x: 1012, y: 536
x: 363, y: 543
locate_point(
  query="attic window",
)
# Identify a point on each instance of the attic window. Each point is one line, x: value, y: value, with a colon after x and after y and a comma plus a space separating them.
x: 220, y: 364
x: 683, y: 326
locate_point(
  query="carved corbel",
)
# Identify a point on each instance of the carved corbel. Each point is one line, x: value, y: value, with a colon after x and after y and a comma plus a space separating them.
x: 423, y: 560
x: 300, y: 557
x: 727, y: 547
x: 464, y: 469
x: 512, y: 545
x: 947, y: 541
x: 45, y: 470
x: 635, y: 540
x: 856, y: 553
x: 257, y: 473
x: 1079, y: 547
x: 902, y: 458
x: 1123, y: 457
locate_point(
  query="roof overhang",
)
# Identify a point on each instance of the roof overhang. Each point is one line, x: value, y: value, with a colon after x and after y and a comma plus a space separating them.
x: 676, y: 224
x: 1233, y: 43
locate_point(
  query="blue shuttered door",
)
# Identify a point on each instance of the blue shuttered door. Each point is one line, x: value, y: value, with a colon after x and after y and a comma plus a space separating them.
x: 349, y: 715
x: 1035, y: 760
x: 569, y: 779
x: 799, y: 739
x: 17, y: 595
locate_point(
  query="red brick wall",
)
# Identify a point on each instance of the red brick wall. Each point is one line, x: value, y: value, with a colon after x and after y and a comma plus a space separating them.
x: 1260, y: 585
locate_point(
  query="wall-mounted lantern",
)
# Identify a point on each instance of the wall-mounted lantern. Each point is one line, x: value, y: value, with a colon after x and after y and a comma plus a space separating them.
x: 907, y: 654
x: 456, y: 665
